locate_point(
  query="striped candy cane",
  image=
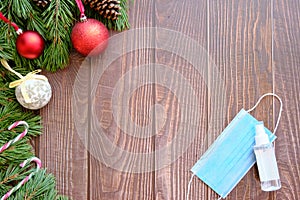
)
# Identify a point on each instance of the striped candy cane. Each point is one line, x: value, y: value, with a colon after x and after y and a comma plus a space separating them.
x: 27, y: 178
x: 19, y: 137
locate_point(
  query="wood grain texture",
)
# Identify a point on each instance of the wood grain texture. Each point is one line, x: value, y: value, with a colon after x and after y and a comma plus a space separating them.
x: 240, y: 38
x: 286, y: 47
x: 189, y: 18
x: 106, y: 182
x: 60, y: 148
x: 254, y: 45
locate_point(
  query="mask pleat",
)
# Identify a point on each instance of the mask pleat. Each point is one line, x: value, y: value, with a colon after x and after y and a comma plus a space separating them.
x: 231, y: 156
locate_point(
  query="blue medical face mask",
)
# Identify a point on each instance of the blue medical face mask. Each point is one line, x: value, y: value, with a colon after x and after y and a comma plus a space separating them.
x: 231, y: 156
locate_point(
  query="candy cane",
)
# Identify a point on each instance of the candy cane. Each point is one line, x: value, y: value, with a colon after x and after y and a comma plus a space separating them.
x: 27, y: 178
x: 19, y: 137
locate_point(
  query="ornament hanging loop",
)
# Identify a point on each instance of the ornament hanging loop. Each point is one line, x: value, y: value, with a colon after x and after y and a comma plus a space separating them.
x: 80, y: 6
x: 280, y: 109
x: 83, y: 18
x: 19, y: 31
x: 6, y: 65
x: 29, y: 76
x: 15, y: 26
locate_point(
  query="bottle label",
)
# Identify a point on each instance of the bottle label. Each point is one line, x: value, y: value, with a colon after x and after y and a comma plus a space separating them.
x: 267, y: 165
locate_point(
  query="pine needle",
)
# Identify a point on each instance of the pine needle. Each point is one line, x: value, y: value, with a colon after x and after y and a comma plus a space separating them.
x: 55, y: 24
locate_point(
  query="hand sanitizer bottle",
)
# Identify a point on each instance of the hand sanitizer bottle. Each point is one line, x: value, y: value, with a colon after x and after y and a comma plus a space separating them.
x: 266, y: 160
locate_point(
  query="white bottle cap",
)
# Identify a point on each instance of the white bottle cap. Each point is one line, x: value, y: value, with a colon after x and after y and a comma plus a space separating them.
x: 261, y: 137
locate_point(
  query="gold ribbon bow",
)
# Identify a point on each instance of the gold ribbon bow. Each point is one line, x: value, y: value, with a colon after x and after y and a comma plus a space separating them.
x: 30, y: 76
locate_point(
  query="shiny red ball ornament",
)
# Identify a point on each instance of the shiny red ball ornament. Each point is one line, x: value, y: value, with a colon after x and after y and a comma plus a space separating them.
x: 90, y: 38
x: 30, y: 44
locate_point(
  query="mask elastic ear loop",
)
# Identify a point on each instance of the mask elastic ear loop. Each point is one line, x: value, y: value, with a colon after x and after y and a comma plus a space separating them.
x: 251, y: 109
x: 189, y: 187
x: 280, y: 109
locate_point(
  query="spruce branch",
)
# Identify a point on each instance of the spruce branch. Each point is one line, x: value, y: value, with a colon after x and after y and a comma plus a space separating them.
x: 54, y: 23
x: 42, y: 185
x: 6, y: 51
x: 21, y: 8
x: 58, y: 19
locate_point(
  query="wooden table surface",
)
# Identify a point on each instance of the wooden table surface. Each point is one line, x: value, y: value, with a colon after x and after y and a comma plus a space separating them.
x: 255, y: 46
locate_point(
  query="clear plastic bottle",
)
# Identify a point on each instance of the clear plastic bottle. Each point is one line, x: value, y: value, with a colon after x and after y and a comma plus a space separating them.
x: 266, y: 160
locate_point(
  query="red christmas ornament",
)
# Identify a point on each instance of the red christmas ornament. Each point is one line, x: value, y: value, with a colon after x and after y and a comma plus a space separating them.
x: 90, y: 37
x: 30, y: 44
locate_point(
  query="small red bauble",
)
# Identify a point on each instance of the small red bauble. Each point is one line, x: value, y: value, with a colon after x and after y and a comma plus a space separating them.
x: 90, y: 37
x: 30, y: 44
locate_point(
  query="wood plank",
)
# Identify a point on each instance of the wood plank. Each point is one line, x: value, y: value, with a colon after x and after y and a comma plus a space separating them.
x: 286, y: 47
x: 117, y: 180
x: 188, y: 18
x: 240, y: 38
x: 60, y: 147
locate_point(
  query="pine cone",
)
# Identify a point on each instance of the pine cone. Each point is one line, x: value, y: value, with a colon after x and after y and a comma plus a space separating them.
x: 42, y: 3
x: 107, y: 8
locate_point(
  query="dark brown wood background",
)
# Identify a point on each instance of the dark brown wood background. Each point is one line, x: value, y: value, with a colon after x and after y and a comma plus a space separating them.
x: 256, y: 48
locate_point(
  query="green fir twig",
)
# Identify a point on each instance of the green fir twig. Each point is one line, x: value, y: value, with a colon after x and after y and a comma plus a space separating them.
x: 55, y: 24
